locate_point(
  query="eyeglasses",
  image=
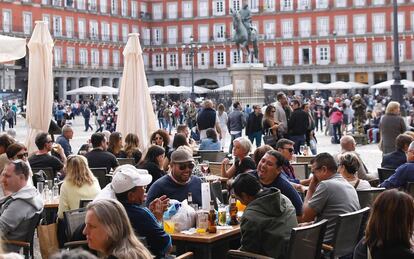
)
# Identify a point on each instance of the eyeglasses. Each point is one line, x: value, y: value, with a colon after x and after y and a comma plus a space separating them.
x: 21, y: 156
x: 49, y: 141
x: 156, y: 138
x: 272, y: 111
x: 289, y: 149
x: 184, y: 166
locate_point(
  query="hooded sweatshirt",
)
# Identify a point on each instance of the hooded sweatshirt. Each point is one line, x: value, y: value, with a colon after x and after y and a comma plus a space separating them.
x: 267, y: 223
x: 16, y: 211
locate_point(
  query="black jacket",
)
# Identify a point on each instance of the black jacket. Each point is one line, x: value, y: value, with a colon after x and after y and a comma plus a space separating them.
x: 394, y: 159
x: 298, y: 123
x: 254, y: 123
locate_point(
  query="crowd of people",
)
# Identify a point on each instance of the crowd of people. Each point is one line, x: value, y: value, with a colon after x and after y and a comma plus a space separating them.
x: 131, y: 207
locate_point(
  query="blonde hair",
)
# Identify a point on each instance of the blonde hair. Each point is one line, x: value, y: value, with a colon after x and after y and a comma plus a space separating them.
x: 77, y: 171
x: 131, y: 144
x: 393, y: 108
x: 122, y: 242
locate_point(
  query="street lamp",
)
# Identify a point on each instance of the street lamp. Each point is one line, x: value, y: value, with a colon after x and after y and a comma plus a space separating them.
x: 397, y: 89
x: 192, y: 47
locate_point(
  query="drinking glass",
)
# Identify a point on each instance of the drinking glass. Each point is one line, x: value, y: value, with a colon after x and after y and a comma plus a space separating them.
x: 40, y: 186
x: 222, y: 220
x: 204, y: 166
x: 302, y: 149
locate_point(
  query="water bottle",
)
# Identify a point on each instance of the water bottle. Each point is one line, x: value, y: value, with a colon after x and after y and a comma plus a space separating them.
x: 55, y: 190
x: 46, y: 193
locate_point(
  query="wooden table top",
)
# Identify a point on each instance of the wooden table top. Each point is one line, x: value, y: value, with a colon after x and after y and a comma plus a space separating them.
x: 51, y: 204
x: 212, y: 178
x: 207, y: 237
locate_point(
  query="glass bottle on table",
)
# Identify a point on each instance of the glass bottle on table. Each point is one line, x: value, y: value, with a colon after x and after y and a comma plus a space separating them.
x: 233, y: 210
x: 190, y: 201
x: 46, y: 193
x: 212, y: 219
x: 55, y: 189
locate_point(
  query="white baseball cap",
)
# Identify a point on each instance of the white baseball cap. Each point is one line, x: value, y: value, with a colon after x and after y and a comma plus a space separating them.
x: 127, y: 177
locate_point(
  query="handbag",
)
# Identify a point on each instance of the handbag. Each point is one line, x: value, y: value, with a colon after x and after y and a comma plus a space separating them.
x: 48, y: 241
x: 270, y: 139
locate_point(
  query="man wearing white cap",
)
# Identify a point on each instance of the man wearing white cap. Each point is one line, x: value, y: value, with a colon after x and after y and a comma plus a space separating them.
x: 128, y: 185
x: 177, y: 184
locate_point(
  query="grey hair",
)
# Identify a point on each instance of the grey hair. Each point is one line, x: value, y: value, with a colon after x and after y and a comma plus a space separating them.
x: 244, y: 143
x: 411, y: 147
x: 350, y: 161
x: 66, y: 128
x: 122, y: 242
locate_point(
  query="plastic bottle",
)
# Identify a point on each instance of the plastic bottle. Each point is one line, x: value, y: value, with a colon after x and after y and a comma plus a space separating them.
x: 46, y: 193
x: 55, y: 190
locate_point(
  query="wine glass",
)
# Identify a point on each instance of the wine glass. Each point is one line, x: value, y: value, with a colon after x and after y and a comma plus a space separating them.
x: 302, y: 149
x: 204, y: 166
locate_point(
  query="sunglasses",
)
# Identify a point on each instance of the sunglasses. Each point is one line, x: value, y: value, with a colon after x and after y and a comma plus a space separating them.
x: 273, y: 111
x: 50, y: 141
x: 184, y: 166
x: 21, y: 156
x: 156, y: 138
x: 289, y: 149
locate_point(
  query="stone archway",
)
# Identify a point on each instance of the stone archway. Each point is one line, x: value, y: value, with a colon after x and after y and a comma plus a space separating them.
x: 206, y: 83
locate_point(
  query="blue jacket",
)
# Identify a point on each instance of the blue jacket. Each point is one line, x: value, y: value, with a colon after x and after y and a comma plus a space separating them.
x: 402, y: 175
x: 146, y: 225
x: 208, y: 144
x: 394, y: 159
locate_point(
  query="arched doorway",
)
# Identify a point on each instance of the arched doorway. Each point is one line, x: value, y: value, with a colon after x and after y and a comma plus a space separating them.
x: 206, y: 83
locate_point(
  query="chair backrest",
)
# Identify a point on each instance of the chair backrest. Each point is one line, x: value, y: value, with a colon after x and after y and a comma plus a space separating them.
x: 347, y: 231
x: 212, y: 155
x: 33, y: 222
x: 73, y: 219
x: 384, y: 173
x: 306, y: 242
x: 215, y: 192
x: 48, y: 171
x: 367, y: 197
x: 83, y: 203
x: 100, y: 174
x: 237, y: 254
x: 301, y: 170
x: 410, y: 188
x: 126, y: 161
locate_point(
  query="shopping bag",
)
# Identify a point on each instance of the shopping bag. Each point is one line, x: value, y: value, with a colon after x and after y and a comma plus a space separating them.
x: 48, y: 241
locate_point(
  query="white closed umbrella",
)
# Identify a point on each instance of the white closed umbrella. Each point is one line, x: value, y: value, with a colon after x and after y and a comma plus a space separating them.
x: 108, y: 90
x: 40, y: 85
x: 135, y: 107
x: 12, y: 48
x: 387, y: 84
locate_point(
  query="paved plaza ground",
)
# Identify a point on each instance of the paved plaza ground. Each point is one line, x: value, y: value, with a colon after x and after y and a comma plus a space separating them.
x: 370, y: 154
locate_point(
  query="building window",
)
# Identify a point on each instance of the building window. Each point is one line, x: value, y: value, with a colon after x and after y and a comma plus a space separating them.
x: 236, y: 5
x: 187, y: 9
x: 269, y: 5
x: 94, y: 31
x: 220, y: 60
x: 171, y: 10
x: 269, y: 27
x: 341, y: 25
x: 172, y: 61
x: 157, y: 36
x: 147, y: 36
x: 360, y: 53
x: 83, y: 57
x: 270, y: 57
x: 323, y: 55
x: 340, y: 3
x: 203, y: 33
x: 378, y: 2
x: 134, y: 9
x: 218, y: 7
x: 114, y: 7
x: 115, y: 32
x: 81, y: 28
x: 124, y: 8
x: 187, y: 33
x: 95, y: 58
x: 172, y: 35
x: 125, y: 32
x: 103, y: 6
x: 235, y: 56
x: 287, y: 28
x: 378, y: 23
x: 158, y: 62
x: 186, y: 61
x: 7, y: 21
x: 81, y: 5
x: 287, y: 56
x: 379, y: 52
x: 401, y: 22
x: 286, y: 5
x: 321, y: 4
x: 304, y: 5
x: 57, y: 56
x: 305, y: 27
x: 341, y: 54
x: 135, y: 29
x: 146, y: 60
x: 46, y: 19
x: 203, y: 60
x: 92, y: 5
x: 219, y: 32
x: 115, y: 58
x: 105, y: 27
x: 105, y: 58
x: 401, y: 50
x: 70, y: 53
x: 305, y: 55
x: 57, y: 2
x: 157, y: 11
x: 254, y: 5
x: 359, y: 3
x: 360, y: 24
x: 203, y: 8
x: 27, y: 23
x: 69, y: 27
x: 57, y: 26
x: 323, y: 26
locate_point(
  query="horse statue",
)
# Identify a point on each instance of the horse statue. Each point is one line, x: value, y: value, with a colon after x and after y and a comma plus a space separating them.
x: 244, y: 34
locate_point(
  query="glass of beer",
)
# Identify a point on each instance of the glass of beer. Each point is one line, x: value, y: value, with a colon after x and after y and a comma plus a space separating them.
x: 222, y: 220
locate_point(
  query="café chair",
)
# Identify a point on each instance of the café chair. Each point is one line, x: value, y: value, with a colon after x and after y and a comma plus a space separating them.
x: 306, y: 242
x: 83, y: 203
x: 374, y: 182
x: 384, y: 173
x: 50, y: 174
x: 187, y: 255
x: 101, y: 174
x: 301, y: 170
x: 237, y: 254
x: 410, y: 188
x: 367, y: 197
x: 212, y: 155
x: 126, y: 161
x: 346, y: 235
x: 27, y: 242
x: 74, y: 219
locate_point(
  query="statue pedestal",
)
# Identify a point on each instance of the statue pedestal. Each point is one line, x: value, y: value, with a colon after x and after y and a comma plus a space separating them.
x: 248, y: 80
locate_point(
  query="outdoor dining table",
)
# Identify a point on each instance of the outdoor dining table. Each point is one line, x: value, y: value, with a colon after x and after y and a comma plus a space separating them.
x: 207, y: 245
x: 50, y: 209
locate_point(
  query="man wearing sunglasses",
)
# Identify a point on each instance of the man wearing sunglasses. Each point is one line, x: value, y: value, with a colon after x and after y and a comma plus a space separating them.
x: 18, y: 208
x: 180, y: 181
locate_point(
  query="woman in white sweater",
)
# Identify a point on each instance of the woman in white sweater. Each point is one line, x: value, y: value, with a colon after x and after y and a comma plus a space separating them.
x: 79, y: 184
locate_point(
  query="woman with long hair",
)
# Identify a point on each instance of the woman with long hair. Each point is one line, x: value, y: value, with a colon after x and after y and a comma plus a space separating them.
x: 132, y: 147
x: 115, y: 145
x: 153, y: 162
x: 79, y: 184
x: 109, y: 231
x: 161, y: 138
x: 270, y: 125
x: 389, y: 229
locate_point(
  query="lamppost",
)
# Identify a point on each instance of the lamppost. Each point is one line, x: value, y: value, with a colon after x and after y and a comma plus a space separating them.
x: 397, y: 90
x: 192, y: 47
